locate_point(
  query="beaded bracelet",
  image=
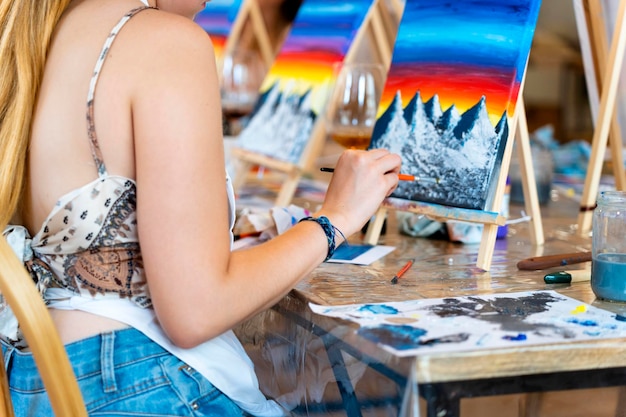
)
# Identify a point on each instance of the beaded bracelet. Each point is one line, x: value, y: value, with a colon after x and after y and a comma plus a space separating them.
x: 329, y: 231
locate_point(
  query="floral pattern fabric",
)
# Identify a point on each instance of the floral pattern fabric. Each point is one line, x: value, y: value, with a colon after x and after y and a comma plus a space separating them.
x: 88, y: 244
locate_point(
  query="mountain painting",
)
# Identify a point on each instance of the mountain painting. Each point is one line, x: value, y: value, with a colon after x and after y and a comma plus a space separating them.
x: 454, y: 80
x: 217, y: 20
x: 296, y: 87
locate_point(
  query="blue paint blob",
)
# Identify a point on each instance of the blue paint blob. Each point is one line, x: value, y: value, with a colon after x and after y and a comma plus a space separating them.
x: 517, y: 338
x: 586, y: 323
x: 620, y: 318
x: 379, y: 309
x: 399, y: 337
x: 592, y: 333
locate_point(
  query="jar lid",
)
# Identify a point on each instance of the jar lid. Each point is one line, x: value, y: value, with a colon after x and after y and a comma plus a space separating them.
x: 612, y: 197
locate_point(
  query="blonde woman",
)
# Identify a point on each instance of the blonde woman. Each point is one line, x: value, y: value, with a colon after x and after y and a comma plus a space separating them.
x: 112, y: 179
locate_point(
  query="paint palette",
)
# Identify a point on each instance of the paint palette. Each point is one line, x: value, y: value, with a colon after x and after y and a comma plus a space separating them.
x: 408, y: 328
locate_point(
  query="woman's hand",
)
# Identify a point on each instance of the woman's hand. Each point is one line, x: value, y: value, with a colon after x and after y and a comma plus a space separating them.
x: 361, y: 181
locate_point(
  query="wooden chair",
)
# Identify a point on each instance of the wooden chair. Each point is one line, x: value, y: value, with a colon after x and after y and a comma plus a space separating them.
x: 20, y: 293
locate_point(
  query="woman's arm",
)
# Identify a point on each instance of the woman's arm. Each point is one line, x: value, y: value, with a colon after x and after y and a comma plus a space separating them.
x: 198, y: 287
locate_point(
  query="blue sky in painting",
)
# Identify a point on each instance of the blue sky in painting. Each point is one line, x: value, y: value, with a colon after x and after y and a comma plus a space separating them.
x: 326, y: 25
x: 331, y: 15
x: 470, y: 21
x: 218, y: 16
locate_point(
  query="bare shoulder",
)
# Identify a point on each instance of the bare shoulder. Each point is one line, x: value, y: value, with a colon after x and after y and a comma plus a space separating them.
x: 161, y: 37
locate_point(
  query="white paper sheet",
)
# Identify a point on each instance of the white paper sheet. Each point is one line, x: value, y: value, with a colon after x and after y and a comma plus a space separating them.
x: 450, y: 324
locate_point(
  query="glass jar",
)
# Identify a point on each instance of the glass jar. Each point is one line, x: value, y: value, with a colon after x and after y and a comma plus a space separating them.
x: 608, y: 266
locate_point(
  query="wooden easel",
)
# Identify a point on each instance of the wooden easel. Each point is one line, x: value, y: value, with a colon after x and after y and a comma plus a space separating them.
x: 227, y: 35
x: 245, y: 159
x: 607, y: 65
x: 251, y: 10
x: 490, y: 218
x: 383, y: 27
x: 608, y: 68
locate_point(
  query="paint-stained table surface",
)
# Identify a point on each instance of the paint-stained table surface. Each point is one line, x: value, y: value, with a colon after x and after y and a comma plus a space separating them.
x: 291, y: 346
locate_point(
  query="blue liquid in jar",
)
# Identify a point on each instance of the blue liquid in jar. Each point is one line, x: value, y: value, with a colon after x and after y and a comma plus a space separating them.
x: 608, y: 276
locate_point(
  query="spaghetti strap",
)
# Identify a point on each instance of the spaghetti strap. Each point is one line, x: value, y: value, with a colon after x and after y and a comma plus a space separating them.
x: 91, y: 129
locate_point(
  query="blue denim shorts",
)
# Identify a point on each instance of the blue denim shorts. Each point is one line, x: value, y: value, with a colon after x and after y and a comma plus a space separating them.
x: 121, y: 373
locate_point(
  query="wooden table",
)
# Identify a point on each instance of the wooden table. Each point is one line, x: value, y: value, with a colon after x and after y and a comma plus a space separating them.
x: 319, y: 364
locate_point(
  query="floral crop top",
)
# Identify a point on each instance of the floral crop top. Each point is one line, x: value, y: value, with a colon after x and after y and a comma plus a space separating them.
x: 88, y: 244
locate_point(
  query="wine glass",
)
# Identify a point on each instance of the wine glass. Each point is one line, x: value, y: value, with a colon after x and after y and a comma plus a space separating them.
x: 353, y: 104
x: 242, y: 75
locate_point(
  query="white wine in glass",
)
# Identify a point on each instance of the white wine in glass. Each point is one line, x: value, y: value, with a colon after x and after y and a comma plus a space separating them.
x: 353, y: 104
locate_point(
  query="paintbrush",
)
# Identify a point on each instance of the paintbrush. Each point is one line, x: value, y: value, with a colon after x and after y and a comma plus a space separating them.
x: 543, y: 262
x: 401, y: 272
x: 401, y: 177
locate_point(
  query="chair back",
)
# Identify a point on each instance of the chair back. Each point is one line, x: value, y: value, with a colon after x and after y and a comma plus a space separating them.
x: 21, y: 295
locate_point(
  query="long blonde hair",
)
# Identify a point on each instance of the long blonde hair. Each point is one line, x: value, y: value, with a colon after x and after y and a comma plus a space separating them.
x: 26, y: 28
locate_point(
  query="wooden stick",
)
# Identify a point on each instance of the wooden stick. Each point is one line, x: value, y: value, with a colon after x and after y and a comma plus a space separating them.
x: 490, y: 231
x: 549, y: 261
x: 599, y: 47
x: 380, y: 34
x: 250, y: 9
x: 375, y: 227
x: 260, y: 31
x: 529, y: 182
x: 600, y: 136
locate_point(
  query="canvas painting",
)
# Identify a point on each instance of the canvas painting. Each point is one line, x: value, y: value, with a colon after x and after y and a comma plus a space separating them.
x: 295, y: 90
x: 217, y: 20
x: 468, y: 323
x: 451, y: 91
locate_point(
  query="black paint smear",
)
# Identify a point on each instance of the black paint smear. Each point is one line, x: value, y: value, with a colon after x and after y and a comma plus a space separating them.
x: 508, y: 313
x: 451, y: 338
x: 521, y: 306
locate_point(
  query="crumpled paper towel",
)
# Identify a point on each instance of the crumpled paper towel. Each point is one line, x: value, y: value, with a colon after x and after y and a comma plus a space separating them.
x: 268, y: 224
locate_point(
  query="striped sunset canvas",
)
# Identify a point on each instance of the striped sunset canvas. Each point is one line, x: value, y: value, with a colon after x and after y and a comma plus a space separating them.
x: 294, y: 92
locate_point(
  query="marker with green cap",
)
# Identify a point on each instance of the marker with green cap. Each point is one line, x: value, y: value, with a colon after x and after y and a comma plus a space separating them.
x: 566, y: 277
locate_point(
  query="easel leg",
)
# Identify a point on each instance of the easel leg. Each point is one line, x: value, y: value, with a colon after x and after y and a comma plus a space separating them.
x: 605, y: 114
x: 375, y: 227
x: 241, y: 170
x: 487, y: 244
x: 380, y: 34
x: 288, y: 189
x: 617, y: 157
x: 490, y: 231
x: 594, y: 12
x: 529, y: 183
